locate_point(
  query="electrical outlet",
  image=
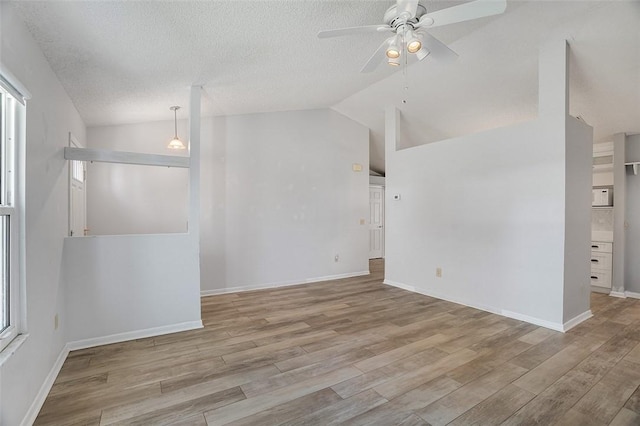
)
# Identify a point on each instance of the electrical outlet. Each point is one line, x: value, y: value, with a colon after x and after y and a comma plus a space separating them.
x: 336, y: 258
x: 438, y: 272
x: 55, y: 322
x: 362, y: 221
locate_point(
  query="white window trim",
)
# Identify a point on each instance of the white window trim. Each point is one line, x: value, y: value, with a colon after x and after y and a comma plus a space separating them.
x: 13, y: 337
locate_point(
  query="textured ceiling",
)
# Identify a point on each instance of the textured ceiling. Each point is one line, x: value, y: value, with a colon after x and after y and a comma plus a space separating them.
x: 124, y: 62
x: 129, y: 61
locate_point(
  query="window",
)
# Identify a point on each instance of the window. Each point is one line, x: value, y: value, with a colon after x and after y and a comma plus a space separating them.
x: 9, y: 221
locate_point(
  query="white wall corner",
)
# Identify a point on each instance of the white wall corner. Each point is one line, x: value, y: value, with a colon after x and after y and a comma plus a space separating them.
x: 576, y: 320
x: 38, y: 401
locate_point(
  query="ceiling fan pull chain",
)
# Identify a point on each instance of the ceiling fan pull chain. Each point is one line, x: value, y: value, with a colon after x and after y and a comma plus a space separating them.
x: 405, y: 66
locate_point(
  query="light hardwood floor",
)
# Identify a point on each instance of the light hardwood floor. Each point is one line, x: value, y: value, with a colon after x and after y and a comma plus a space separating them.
x: 359, y: 352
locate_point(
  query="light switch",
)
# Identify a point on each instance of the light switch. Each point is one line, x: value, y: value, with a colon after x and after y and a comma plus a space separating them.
x: 356, y: 167
x: 361, y: 221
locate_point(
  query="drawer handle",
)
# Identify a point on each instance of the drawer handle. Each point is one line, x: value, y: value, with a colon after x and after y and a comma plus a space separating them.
x: 595, y: 246
x: 594, y: 278
x: 594, y: 261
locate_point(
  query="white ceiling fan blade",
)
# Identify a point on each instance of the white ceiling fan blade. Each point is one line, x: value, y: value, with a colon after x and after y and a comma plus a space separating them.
x: 464, y: 12
x: 438, y: 49
x: 354, y: 30
x: 408, y: 7
x: 377, y: 57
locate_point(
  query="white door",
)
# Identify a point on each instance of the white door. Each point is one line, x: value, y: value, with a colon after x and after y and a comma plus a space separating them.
x: 77, y: 194
x: 376, y: 222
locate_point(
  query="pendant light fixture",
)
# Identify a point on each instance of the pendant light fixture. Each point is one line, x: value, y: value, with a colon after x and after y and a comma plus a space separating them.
x: 175, y: 143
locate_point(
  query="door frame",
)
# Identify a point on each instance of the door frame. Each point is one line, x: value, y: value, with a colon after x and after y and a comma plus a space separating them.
x: 384, y: 225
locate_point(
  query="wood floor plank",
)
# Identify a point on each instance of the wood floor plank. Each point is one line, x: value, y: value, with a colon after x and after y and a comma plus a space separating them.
x: 610, y: 394
x: 626, y: 418
x: 291, y: 409
x: 411, y: 380
x: 633, y: 403
x: 552, y: 369
x: 465, y: 398
x: 495, y: 409
x: 356, y: 351
x: 289, y: 377
x: 192, y: 409
x: 248, y: 407
x: 388, y: 372
x: 399, y: 353
x: 183, y: 395
x: 399, y: 409
x: 340, y: 411
x: 634, y: 355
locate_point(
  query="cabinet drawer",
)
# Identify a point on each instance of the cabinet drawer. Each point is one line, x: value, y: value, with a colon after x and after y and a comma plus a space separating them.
x: 600, y: 261
x: 601, y: 279
x: 601, y: 247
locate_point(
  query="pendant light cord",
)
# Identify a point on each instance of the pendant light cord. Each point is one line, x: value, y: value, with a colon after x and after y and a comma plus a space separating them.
x: 175, y: 122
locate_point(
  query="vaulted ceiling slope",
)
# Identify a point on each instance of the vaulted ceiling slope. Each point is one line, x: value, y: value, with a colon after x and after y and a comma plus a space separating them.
x: 124, y: 62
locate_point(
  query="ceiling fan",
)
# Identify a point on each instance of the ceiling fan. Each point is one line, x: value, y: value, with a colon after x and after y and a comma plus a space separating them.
x: 408, y: 21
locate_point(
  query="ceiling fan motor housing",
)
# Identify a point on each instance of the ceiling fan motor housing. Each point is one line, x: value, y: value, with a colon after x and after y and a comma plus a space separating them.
x: 394, y: 20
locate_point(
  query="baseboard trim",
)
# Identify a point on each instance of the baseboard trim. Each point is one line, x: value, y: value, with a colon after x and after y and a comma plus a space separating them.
x: 132, y: 335
x: 576, y: 320
x: 509, y: 314
x: 556, y: 326
x: 400, y: 285
x: 620, y: 294
x: 632, y: 294
x: 38, y: 401
x: 214, y: 292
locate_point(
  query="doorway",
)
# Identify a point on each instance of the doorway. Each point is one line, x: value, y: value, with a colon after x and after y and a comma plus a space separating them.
x: 376, y: 222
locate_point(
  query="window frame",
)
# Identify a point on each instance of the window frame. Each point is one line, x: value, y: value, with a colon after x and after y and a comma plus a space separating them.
x: 9, y: 149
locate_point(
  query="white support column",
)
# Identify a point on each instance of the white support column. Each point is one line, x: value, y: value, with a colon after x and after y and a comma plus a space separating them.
x: 619, y: 208
x: 553, y: 81
x: 194, y: 152
x: 391, y: 131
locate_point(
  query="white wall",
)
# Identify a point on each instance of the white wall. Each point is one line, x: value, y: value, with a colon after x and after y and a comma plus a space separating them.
x: 491, y: 210
x: 50, y: 116
x: 293, y: 201
x: 487, y: 209
x: 632, y: 214
x: 130, y: 286
x: 131, y: 199
x: 279, y: 197
x: 130, y: 283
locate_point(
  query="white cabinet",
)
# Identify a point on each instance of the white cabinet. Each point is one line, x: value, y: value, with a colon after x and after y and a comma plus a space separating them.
x: 601, y: 261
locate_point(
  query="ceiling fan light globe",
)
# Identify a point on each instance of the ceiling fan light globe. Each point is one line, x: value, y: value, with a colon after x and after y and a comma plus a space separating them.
x: 414, y: 46
x: 393, y: 53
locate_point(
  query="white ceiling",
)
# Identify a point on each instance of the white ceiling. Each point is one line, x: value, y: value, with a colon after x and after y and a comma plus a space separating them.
x: 124, y: 62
